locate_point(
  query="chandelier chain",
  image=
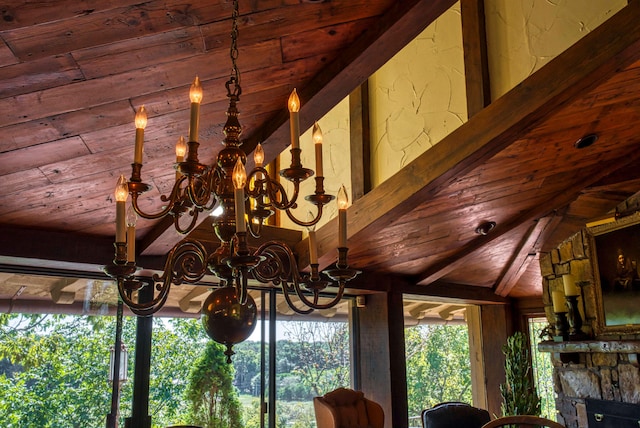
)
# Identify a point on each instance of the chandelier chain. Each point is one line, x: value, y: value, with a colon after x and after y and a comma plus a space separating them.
x: 233, y: 52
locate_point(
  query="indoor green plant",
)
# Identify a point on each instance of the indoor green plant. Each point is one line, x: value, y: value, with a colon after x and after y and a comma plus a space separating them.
x: 518, y: 392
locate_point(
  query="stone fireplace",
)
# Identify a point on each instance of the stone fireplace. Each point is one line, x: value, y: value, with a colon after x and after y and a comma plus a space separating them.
x: 601, y: 368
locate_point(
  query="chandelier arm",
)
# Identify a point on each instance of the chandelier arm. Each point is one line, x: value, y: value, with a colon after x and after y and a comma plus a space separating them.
x: 254, y: 228
x: 172, y: 199
x: 319, y: 306
x: 211, y: 183
x: 194, y: 212
x: 287, y: 297
x: 142, y: 309
x: 273, y: 190
x: 288, y: 277
x: 309, y: 223
x: 215, y: 179
x: 193, y: 189
x: 274, y: 269
x: 241, y: 285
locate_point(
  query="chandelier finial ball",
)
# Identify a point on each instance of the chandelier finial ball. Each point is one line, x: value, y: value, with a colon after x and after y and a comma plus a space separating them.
x: 225, y: 319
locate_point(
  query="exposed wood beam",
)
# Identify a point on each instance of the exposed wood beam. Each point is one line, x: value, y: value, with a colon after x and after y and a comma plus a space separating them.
x: 611, y: 46
x: 476, y: 63
x: 360, y: 141
x: 524, y: 255
x: 189, y: 303
x: 438, y: 292
x: 58, y: 293
x: 449, y: 264
x: 34, y: 248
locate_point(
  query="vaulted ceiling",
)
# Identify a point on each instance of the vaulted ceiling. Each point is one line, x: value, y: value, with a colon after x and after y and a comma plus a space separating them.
x: 72, y: 73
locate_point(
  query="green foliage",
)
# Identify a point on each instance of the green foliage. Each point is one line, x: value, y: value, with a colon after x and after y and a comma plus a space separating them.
x: 319, y: 355
x: 543, y: 369
x: 247, y: 364
x: 53, y: 371
x: 438, y: 366
x: 212, y: 397
x: 50, y: 380
x: 518, y: 392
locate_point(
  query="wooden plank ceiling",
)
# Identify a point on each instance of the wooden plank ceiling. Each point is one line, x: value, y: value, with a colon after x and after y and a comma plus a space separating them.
x: 72, y: 74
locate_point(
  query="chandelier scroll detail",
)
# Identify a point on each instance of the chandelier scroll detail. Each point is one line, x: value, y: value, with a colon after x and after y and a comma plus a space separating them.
x: 246, y: 202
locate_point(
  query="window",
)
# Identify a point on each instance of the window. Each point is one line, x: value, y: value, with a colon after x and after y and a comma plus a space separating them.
x: 437, y: 356
x: 542, y: 369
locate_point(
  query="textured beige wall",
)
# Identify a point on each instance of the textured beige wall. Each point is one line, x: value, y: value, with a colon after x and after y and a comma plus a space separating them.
x: 524, y: 35
x: 418, y: 97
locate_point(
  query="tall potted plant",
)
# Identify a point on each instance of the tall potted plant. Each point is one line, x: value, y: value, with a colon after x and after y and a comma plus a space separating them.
x: 519, y: 393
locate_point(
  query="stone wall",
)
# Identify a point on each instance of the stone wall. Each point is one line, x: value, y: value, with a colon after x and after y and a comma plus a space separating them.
x: 605, y: 373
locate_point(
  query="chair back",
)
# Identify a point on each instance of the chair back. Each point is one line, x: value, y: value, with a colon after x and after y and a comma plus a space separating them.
x: 454, y: 414
x: 523, y: 420
x: 346, y: 408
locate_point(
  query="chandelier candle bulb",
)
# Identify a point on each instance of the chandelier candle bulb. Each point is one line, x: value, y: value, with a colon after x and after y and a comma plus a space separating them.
x: 239, y: 180
x: 317, y: 139
x: 141, y: 123
x: 343, y: 201
x: 570, y: 287
x: 181, y: 151
x: 258, y: 155
x: 121, y: 194
x: 195, y: 95
x: 559, y: 302
x: 294, y: 119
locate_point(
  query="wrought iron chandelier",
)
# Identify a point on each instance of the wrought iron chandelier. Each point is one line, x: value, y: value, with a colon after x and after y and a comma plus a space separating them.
x: 246, y: 201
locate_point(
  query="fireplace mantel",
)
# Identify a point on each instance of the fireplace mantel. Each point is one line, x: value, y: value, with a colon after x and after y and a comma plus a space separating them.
x: 631, y: 347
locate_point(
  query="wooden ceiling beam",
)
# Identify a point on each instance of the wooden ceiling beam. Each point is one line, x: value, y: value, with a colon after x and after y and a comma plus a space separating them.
x: 60, y: 251
x: 525, y: 254
x: 476, y: 62
x: 556, y: 202
x: 611, y: 46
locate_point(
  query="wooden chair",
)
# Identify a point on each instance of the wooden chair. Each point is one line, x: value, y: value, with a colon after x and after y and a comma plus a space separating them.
x: 345, y: 407
x: 522, y: 420
x: 454, y: 414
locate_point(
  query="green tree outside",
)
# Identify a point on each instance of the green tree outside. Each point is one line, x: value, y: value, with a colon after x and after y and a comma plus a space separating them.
x: 54, y: 371
x: 438, y: 366
x: 213, y: 401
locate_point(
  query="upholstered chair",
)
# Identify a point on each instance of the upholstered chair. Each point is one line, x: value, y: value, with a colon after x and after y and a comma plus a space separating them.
x: 454, y: 415
x: 346, y: 408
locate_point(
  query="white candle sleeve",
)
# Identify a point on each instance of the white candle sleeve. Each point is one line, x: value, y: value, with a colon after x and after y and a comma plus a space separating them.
x: 137, y: 153
x: 570, y: 287
x: 121, y: 234
x: 239, y: 203
x: 319, y: 172
x: 193, y: 123
x: 294, y: 121
x: 342, y: 228
x: 313, y: 247
x: 131, y: 244
x: 557, y: 298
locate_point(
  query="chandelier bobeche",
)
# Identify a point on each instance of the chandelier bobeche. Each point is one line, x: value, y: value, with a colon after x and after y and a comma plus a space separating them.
x: 246, y: 201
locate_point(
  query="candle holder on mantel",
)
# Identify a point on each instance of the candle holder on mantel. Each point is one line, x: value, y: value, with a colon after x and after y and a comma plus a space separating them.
x: 562, y: 327
x: 572, y: 291
x: 560, y: 310
x: 575, y: 320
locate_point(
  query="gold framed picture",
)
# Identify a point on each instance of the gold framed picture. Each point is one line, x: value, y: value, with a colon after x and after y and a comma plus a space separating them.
x: 615, y: 255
